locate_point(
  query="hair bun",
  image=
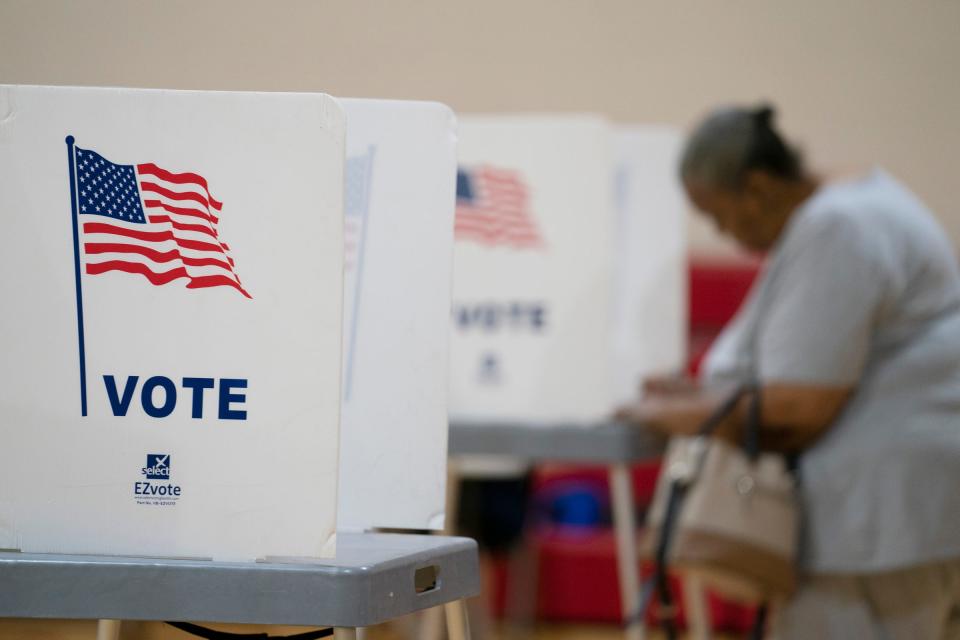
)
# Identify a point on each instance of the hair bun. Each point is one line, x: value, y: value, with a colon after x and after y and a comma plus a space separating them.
x: 763, y: 115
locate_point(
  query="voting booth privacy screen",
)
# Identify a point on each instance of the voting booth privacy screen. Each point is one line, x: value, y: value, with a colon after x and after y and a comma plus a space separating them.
x: 172, y: 335
x: 650, y: 303
x: 533, y: 270
x: 398, y: 210
x: 569, y: 274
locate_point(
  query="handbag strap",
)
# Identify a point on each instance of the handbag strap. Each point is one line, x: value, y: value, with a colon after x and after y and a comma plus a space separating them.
x: 659, y: 581
x: 724, y: 409
x: 666, y: 608
x: 751, y: 430
x: 760, y: 622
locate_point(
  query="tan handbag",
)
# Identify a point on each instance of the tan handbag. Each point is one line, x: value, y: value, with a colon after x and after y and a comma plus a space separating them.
x: 727, y: 513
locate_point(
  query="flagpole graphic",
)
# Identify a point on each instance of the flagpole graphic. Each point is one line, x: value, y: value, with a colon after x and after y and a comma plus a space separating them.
x: 76, y: 271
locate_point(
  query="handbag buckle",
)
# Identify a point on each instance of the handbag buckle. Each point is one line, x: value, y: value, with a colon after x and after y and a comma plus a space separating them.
x: 687, y: 470
x: 745, y: 485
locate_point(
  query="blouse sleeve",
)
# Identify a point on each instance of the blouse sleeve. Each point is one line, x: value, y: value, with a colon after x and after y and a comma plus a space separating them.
x: 818, y: 324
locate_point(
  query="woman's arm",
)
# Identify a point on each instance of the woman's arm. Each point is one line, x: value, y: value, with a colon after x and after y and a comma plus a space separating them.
x: 793, y: 416
x: 796, y: 416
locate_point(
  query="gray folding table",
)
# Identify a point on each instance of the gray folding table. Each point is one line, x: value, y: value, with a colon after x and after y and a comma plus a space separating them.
x: 374, y: 578
x: 614, y: 445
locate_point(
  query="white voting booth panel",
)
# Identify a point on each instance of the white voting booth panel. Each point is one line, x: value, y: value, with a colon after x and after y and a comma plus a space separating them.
x: 533, y: 270
x: 650, y: 312
x: 400, y: 179
x: 193, y: 408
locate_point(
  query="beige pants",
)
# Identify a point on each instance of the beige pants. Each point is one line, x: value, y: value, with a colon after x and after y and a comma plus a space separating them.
x: 921, y: 603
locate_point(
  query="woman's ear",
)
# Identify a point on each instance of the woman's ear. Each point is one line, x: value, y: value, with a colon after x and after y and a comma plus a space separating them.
x: 759, y: 183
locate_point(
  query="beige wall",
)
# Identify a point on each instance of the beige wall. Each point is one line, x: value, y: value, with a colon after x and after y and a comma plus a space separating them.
x: 859, y: 81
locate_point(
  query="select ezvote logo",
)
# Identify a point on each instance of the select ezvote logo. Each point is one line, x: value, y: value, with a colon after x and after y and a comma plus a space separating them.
x: 163, y: 493
x: 160, y: 227
x: 158, y: 466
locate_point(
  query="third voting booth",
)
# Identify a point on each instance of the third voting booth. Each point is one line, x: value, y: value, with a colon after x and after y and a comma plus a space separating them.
x: 569, y: 267
x: 533, y: 269
x: 649, y: 333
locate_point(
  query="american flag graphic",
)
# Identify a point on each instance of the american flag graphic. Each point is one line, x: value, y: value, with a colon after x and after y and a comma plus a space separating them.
x: 358, y: 176
x: 493, y: 209
x: 142, y: 219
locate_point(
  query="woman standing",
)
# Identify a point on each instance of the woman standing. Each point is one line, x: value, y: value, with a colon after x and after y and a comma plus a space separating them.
x: 853, y: 334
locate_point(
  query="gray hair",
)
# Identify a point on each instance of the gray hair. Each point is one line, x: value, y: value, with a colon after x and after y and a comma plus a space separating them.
x: 734, y: 140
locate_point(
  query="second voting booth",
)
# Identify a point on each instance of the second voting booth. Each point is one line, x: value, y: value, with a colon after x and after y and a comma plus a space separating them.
x: 569, y: 289
x: 400, y: 178
x: 533, y: 269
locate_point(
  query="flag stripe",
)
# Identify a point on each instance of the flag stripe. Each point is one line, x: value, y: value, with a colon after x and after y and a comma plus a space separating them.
x: 154, y: 254
x: 150, y: 204
x: 194, y: 271
x: 150, y: 236
x: 151, y: 169
x: 154, y: 236
x: 490, y: 218
x: 139, y: 268
x: 161, y: 278
x: 153, y: 187
x: 215, y: 281
x: 199, y: 228
x: 184, y: 211
x: 492, y: 235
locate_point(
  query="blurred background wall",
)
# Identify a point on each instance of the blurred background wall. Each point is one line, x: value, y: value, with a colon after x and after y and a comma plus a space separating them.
x: 858, y: 82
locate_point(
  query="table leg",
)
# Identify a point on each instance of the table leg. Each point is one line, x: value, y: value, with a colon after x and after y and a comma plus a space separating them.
x: 345, y: 633
x: 458, y: 624
x: 628, y: 564
x: 431, y: 624
x: 695, y: 602
x: 108, y: 630
x: 452, y: 506
x: 521, y: 609
x: 431, y: 621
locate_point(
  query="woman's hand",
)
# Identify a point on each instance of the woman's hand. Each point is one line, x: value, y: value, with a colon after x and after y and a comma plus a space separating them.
x: 676, y: 408
x: 668, y: 414
x: 793, y: 417
x: 670, y: 385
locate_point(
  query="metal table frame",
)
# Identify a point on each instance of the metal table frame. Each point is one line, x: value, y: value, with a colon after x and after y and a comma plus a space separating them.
x: 374, y: 578
x: 613, y: 445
